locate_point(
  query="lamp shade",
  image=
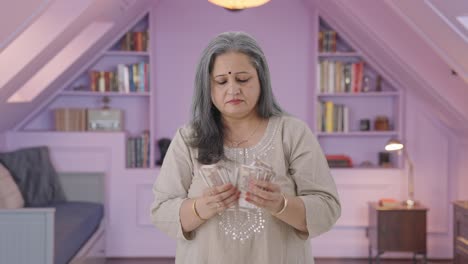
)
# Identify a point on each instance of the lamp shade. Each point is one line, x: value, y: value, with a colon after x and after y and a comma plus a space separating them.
x: 238, y: 4
x: 394, y: 145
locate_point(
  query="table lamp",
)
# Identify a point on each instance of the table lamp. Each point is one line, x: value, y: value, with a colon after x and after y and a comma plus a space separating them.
x: 396, y: 145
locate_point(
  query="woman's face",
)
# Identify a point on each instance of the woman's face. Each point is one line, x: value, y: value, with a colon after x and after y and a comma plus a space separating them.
x: 235, y: 87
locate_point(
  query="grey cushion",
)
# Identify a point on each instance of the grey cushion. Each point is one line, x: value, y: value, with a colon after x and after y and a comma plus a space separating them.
x: 35, y: 175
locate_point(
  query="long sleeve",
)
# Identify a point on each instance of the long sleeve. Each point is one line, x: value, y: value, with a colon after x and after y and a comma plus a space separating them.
x: 171, y: 187
x: 301, y: 169
x: 314, y: 183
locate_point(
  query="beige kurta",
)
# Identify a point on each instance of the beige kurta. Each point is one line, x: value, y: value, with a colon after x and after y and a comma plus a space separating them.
x: 301, y: 169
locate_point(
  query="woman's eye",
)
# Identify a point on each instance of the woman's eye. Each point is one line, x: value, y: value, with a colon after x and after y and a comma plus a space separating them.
x: 242, y: 80
x: 221, y: 82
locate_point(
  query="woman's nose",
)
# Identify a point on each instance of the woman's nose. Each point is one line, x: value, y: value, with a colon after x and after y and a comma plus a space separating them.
x: 233, y: 89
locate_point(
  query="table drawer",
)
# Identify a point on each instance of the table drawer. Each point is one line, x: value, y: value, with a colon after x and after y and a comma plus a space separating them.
x: 460, y: 246
x: 402, y: 231
x: 461, y: 222
x: 461, y: 250
x: 463, y: 231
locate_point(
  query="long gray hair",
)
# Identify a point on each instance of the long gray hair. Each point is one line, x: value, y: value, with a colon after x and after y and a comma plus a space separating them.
x: 206, y: 119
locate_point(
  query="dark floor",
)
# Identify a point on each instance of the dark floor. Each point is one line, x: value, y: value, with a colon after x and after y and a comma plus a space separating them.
x: 317, y: 261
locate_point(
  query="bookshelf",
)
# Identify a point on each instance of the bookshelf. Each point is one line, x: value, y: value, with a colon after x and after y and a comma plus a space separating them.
x: 108, y: 151
x: 119, y: 74
x: 357, y: 109
x: 128, y: 190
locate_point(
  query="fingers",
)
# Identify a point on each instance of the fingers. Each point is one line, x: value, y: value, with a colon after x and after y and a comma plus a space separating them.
x: 261, y: 193
x: 212, y: 191
x: 227, y: 203
x: 262, y: 202
x: 264, y: 194
x: 270, y: 205
x: 268, y: 186
x: 221, y: 197
x: 223, y: 188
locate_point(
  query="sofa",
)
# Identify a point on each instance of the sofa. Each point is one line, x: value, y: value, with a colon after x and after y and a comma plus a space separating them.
x: 41, y: 224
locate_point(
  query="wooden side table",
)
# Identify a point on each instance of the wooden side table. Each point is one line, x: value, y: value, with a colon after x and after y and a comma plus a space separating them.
x: 397, y: 228
x: 460, y: 232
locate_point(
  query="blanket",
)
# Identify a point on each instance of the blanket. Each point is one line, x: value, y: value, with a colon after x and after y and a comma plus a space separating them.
x: 36, y: 177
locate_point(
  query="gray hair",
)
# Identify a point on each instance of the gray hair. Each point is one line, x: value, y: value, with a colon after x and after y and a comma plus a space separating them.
x: 206, y: 119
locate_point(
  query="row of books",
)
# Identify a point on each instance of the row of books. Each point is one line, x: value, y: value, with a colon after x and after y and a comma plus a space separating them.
x: 327, y: 41
x: 88, y: 119
x: 332, y: 117
x: 389, y: 202
x: 340, y: 77
x: 70, y: 119
x: 134, y: 41
x: 339, y: 161
x: 138, y: 151
x: 126, y: 78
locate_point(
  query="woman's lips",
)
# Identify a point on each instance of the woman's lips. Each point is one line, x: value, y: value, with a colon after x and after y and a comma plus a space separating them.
x: 234, y: 101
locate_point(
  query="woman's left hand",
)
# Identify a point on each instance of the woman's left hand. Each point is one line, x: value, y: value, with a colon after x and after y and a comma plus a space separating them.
x: 265, y: 195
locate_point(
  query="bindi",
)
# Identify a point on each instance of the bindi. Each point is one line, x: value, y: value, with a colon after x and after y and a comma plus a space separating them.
x: 229, y: 72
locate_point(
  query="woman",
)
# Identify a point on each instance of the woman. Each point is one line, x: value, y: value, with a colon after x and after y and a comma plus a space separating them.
x: 236, y: 120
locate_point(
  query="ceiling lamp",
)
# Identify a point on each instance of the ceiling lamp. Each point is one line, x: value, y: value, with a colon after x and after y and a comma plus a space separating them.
x: 238, y: 4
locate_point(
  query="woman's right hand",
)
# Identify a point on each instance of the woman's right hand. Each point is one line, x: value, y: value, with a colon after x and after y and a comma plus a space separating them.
x: 217, y: 199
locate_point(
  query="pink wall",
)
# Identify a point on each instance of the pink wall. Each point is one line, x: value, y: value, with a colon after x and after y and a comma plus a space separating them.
x: 433, y: 109
x: 409, y: 58
x: 118, y: 12
x: 184, y: 28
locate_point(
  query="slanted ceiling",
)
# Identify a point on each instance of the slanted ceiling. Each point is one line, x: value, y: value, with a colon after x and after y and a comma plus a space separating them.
x: 392, y: 41
x: 32, y: 51
x: 436, y: 21
x: 17, y: 16
x: 393, y: 34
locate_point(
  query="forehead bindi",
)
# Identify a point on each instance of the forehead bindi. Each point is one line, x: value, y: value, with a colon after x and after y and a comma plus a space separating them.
x: 240, y: 73
x: 232, y: 63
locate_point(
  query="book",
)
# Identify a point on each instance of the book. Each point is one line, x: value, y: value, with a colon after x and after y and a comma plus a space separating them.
x: 389, y: 202
x: 329, y: 116
x: 339, y: 161
x: 70, y: 119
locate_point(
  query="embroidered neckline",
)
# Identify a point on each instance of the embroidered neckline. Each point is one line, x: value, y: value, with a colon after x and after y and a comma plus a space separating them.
x: 243, y: 225
x: 261, y: 147
x: 237, y: 143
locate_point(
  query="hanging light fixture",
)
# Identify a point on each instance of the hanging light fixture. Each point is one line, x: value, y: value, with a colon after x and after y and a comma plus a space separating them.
x: 238, y: 4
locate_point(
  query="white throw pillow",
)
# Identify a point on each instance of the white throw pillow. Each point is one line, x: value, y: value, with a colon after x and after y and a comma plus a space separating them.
x: 10, y: 196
